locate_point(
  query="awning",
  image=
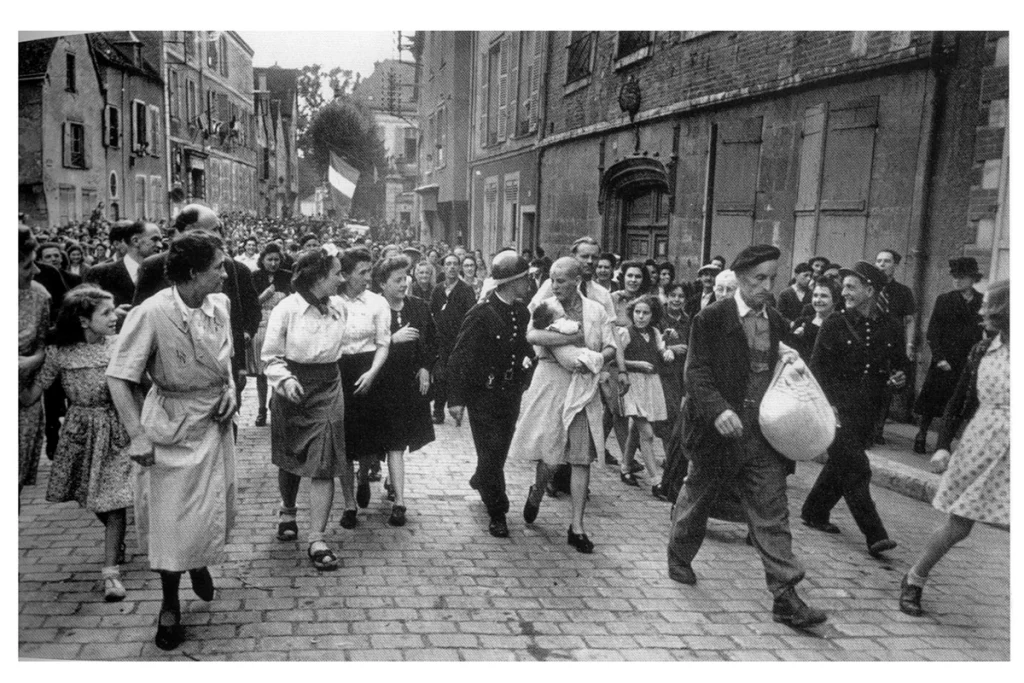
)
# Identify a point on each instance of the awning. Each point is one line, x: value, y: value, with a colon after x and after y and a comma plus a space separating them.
x: 434, y: 187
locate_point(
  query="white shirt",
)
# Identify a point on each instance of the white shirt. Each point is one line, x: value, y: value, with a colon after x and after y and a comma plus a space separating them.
x: 248, y: 261
x: 297, y: 331
x: 744, y: 308
x: 705, y: 299
x: 186, y: 311
x: 133, y: 268
x: 369, y: 323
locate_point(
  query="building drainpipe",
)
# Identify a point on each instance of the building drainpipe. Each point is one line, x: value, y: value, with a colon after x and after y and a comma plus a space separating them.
x: 470, y: 146
x: 939, y: 72
x: 541, y: 124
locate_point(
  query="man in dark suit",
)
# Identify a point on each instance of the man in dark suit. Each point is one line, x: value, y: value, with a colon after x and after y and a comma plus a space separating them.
x: 449, y: 304
x: 703, y: 297
x: 245, y: 306
x: 487, y: 375
x: 793, y: 298
x: 119, y: 277
x: 734, y: 346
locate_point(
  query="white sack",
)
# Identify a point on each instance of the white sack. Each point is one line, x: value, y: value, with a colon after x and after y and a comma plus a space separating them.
x: 795, y: 416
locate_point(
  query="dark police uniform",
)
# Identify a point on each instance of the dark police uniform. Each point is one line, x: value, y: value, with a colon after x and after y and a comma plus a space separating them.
x: 853, y: 359
x: 486, y: 375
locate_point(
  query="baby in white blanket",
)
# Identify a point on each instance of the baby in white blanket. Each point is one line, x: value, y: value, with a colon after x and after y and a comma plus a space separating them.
x: 550, y: 316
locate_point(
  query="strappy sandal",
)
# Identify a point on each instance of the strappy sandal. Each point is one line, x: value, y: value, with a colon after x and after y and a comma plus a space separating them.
x: 287, y: 531
x: 324, y: 559
x: 113, y: 589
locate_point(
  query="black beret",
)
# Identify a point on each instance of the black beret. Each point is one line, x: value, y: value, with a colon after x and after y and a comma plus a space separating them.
x: 753, y: 256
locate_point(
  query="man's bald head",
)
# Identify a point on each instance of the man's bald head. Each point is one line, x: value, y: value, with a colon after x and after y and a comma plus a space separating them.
x: 197, y: 217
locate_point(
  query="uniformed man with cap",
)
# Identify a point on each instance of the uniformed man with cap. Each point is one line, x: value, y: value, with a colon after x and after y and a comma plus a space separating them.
x: 488, y: 374
x: 858, y: 354
x: 734, y: 347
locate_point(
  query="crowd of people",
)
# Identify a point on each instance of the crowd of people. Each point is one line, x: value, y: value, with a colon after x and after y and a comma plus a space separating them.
x: 133, y: 354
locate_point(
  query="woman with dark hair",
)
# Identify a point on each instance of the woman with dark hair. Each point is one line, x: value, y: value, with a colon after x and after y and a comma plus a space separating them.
x: 404, y: 381
x: 666, y: 276
x: 301, y: 351
x: 273, y: 283
x: 308, y: 242
x: 181, y: 435
x: 33, y: 323
x: 469, y: 275
x: 825, y: 297
x: 76, y: 259
x: 364, y: 350
x: 975, y: 485
x: 652, y: 270
x: 89, y: 464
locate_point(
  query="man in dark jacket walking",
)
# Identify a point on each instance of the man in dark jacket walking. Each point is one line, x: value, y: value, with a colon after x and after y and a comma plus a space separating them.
x: 734, y: 346
x: 449, y: 304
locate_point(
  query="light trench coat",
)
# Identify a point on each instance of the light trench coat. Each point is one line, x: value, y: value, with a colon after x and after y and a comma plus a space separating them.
x: 543, y: 426
x: 184, y: 503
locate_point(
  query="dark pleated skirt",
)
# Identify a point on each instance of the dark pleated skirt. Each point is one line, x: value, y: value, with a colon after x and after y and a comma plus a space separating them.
x: 308, y: 438
x: 364, y: 415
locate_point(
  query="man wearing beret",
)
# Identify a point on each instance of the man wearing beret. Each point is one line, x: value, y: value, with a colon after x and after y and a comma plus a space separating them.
x: 487, y: 373
x: 858, y: 354
x: 734, y: 347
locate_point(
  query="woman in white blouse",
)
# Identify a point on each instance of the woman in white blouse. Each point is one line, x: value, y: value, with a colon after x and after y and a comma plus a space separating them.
x: 301, y: 351
x: 364, y: 350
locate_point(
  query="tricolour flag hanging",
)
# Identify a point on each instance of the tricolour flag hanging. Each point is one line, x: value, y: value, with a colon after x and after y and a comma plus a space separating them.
x: 342, y: 176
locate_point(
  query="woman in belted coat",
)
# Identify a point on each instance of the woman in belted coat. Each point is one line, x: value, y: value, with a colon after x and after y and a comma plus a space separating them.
x: 181, y: 435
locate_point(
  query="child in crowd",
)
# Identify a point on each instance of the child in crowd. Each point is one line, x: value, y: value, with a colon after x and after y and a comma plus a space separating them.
x: 645, y: 400
x: 89, y: 465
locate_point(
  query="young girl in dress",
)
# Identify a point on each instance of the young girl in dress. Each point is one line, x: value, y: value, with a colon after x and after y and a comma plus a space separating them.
x: 645, y: 400
x: 90, y: 465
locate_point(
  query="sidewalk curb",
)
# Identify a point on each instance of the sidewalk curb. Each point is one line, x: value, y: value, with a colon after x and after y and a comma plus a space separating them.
x: 896, y: 476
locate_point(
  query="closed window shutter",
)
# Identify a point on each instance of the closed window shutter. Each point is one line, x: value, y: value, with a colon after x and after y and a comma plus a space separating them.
x: 153, y: 129
x: 849, y: 150
x: 66, y: 148
x: 86, y: 148
x: 538, y: 42
x: 511, y: 112
x: 106, y: 126
x: 503, y: 89
x: 737, y: 166
x: 810, y: 158
x: 484, y: 98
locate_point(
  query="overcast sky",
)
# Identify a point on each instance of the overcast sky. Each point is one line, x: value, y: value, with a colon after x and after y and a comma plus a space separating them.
x: 355, y: 50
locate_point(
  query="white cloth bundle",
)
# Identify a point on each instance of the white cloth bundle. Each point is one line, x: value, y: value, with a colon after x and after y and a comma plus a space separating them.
x: 795, y: 416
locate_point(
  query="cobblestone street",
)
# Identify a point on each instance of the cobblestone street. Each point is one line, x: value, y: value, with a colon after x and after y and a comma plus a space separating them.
x: 441, y: 588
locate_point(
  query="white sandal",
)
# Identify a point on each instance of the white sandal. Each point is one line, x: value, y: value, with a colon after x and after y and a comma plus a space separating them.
x: 113, y: 590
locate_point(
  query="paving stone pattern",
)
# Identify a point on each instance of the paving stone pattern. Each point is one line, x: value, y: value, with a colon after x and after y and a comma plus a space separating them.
x: 441, y: 588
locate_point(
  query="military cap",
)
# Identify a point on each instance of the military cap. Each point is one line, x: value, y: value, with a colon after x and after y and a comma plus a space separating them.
x: 866, y: 273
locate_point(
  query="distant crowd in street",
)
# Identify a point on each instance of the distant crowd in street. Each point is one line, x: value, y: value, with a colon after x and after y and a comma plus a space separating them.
x: 136, y: 340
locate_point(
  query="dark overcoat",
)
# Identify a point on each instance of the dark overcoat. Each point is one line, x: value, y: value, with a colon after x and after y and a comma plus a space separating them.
x: 717, y: 370
x: 952, y: 330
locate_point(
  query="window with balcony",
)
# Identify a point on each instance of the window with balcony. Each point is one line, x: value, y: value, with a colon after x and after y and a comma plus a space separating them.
x: 212, y: 55
x: 580, y: 61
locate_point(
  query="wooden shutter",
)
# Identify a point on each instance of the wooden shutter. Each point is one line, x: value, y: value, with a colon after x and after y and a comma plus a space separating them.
x: 511, y: 112
x: 810, y: 158
x: 86, y: 147
x: 538, y: 42
x: 106, y: 126
x: 485, y: 76
x: 503, y: 88
x: 66, y: 146
x: 849, y: 150
x: 153, y: 130
x: 737, y: 166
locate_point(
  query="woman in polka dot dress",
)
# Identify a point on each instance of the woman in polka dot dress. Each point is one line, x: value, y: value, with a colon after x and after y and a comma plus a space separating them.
x: 975, y: 486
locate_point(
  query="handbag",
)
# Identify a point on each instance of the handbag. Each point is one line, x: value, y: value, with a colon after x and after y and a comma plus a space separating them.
x: 795, y: 416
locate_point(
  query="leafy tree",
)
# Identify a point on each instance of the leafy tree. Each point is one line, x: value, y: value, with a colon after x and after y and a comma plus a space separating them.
x: 311, y: 88
x: 346, y: 127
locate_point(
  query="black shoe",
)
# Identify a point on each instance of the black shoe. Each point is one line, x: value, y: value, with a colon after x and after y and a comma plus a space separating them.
x: 910, y: 598
x: 658, y: 491
x: 790, y: 609
x: 169, y: 631
x: 635, y: 467
x: 374, y: 474
x: 827, y: 527
x: 363, y: 493
x: 397, y: 517
x: 610, y: 459
x: 629, y: 479
x: 348, y: 519
x: 580, y: 542
x: 261, y: 419
x: 202, y: 583
x: 682, y: 573
x: 530, y: 510
x: 921, y: 444
x: 498, y: 528
x: 878, y: 547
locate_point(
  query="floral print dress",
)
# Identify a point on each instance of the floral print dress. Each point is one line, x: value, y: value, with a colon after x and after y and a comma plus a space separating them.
x: 33, y: 321
x: 89, y: 465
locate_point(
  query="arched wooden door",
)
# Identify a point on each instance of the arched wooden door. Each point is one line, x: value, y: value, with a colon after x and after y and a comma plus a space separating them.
x: 645, y: 225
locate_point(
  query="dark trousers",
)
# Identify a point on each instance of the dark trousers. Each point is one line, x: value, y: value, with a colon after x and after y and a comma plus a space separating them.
x: 847, y: 475
x: 492, y: 420
x: 760, y: 476
x: 54, y: 406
